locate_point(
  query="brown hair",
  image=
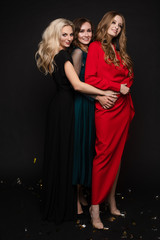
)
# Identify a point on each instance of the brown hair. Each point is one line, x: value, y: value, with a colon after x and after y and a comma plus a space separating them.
x: 78, y: 22
x: 119, y: 41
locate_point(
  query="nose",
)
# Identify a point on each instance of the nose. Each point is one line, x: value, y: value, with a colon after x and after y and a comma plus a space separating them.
x: 69, y: 37
x: 85, y: 33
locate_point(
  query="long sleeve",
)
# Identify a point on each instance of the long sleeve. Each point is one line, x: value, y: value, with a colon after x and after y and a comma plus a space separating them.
x: 77, y: 57
x: 93, y: 76
x: 129, y: 80
x: 77, y: 60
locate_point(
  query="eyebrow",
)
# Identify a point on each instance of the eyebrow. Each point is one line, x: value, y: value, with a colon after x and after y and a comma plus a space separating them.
x: 117, y: 21
x: 67, y: 33
x: 85, y: 28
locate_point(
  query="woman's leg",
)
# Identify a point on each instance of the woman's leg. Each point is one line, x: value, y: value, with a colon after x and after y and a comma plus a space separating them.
x: 95, y: 218
x: 82, y: 199
x: 111, y: 197
x: 79, y: 207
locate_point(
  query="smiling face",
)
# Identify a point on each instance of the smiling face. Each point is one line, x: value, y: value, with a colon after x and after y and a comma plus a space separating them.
x: 66, y: 37
x: 85, y: 33
x: 115, y: 26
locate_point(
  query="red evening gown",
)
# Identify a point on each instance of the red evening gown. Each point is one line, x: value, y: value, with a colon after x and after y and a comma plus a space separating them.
x: 112, y: 124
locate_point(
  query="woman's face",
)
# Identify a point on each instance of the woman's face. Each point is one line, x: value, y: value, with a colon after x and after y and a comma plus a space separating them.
x: 116, y: 26
x: 66, y: 37
x: 85, y: 33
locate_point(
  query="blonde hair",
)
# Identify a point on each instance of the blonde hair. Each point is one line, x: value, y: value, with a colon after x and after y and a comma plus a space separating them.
x: 49, y: 46
x: 119, y: 41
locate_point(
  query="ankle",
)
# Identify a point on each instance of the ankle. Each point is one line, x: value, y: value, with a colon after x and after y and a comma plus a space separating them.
x: 94, y: 210
x: 79, y: 208
x: 112, y: 202
x: 95, y: 217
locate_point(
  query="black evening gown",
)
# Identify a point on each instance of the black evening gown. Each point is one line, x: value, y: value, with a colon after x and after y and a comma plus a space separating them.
x: 59, y: 195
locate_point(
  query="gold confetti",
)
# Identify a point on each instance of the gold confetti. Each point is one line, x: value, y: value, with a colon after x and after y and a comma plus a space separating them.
x: 124, y: 235
x: 78, y: 221
x: 34, y: 160
x: 111, y: 219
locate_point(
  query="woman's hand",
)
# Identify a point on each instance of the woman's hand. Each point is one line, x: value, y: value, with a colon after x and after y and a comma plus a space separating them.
x: 124, y: 89
x: 108, y: 100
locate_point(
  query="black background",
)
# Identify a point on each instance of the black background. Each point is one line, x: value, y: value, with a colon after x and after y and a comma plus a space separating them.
x: 25, y: 92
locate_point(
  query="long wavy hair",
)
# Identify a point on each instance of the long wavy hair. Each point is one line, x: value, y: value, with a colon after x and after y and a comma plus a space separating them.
x: 78, y: 22
x: 119, y: 41
x: 49, y: 46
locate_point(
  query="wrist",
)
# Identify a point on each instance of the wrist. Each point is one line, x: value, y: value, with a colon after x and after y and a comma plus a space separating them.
x: 97, y: 97
x: 121, y: 88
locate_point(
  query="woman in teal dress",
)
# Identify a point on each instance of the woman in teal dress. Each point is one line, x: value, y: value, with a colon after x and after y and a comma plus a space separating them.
x: 84, y: 114
x: 84, y: 135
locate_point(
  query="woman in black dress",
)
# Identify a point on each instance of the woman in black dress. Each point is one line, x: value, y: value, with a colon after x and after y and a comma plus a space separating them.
x: 52, y: 57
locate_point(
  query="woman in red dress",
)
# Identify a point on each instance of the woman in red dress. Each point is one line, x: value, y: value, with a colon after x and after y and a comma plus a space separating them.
x: 108, y: 66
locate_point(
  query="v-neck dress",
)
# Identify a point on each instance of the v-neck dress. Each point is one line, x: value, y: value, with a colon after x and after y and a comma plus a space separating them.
x: 112, y: 125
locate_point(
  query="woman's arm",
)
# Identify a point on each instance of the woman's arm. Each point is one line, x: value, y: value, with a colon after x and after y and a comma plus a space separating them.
x: 129, y: 80
x: 77, y: 60
x: 77, y: 84
x: 91, y: 70
x: 125, y: 88
x: 107, y: 101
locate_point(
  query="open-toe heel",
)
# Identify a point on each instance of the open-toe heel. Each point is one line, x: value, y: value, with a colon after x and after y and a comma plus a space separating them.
x: 116, y: 212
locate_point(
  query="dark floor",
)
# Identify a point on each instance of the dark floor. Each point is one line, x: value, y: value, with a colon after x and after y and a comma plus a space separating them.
x: 20, y: 217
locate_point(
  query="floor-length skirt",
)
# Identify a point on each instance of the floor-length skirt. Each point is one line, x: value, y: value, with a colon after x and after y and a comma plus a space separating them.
x: 58, y: 191
x: 84, y: 140
x: 112, y: 127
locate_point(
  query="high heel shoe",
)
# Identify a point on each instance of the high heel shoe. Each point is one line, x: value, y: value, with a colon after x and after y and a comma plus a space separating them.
x: 116, y: 212
x: 120, y: 214
x: 95, y: 219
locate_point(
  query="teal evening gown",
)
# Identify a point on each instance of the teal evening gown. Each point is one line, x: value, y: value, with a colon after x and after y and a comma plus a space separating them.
x: 84, y: 132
